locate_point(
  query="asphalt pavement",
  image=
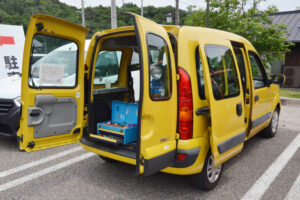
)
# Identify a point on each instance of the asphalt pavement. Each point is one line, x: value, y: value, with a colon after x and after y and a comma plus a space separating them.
x: 265, y: 169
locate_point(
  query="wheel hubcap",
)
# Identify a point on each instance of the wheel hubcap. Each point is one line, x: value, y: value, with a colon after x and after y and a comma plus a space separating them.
x: 213, y: 173
x: 274, y: 121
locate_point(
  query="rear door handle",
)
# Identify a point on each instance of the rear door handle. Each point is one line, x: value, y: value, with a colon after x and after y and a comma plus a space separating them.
x: 34, y: 114
x: 256, y: 98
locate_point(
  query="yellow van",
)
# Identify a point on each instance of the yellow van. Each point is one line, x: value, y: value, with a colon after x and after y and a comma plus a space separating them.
x: 181, y: 100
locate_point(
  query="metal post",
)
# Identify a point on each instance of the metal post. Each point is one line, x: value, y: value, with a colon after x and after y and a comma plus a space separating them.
x: 254, y: 4
x: 113, y: 14
x: 177, y: 13
x: 207, y: 13
x: 142, y: 8
x: 82, y: 13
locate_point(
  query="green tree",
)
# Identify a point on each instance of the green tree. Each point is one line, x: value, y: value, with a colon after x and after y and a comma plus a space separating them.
x: 253, y: 24
x: 18, y: 12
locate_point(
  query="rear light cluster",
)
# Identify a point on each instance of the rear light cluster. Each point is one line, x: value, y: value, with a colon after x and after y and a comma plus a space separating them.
x: 185, y: 106
x: 181, y: 156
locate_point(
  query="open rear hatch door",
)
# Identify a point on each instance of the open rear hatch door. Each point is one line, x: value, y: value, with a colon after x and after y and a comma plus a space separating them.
x: 52, y: 83
x: 158, y: 98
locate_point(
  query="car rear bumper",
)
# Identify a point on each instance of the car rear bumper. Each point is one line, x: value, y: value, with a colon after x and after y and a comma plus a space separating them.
x: 195, y: 150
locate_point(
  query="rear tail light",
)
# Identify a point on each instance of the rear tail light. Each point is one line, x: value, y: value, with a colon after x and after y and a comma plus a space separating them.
x: 185, y: 106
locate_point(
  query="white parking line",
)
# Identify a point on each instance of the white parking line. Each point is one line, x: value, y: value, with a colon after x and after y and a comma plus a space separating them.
x: 294, y: 192
x: 265, y: 180
x: 35, y: 175
x: 38, y: 162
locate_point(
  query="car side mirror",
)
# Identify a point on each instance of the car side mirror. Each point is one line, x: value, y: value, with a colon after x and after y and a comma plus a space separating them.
x: 278, y: 79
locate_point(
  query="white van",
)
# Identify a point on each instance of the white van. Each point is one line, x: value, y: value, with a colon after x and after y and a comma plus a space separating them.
x: 10, y: 88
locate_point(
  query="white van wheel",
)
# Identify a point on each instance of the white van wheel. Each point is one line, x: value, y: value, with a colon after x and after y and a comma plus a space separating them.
x: 210, y: 175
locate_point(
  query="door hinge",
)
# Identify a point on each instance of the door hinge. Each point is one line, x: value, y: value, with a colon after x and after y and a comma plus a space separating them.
x: 209, y: 121
x: 39, y: 26
x: 142, y: 160
x: 177, y: 77
x: 31, y: 144
x: 177, y: 136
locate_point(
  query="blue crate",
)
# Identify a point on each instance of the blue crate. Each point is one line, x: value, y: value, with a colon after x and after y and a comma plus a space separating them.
x: 123, y: 114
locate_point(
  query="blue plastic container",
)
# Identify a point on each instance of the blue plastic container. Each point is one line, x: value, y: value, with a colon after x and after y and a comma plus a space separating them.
x: 123, y: 114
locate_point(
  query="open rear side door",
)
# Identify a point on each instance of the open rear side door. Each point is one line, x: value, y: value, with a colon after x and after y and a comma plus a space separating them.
x: 52, y: 83
x: 158, y: 98
x: 224, y: 93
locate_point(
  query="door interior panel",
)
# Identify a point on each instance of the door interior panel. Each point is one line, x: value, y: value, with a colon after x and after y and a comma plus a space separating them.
x: 52, y: 116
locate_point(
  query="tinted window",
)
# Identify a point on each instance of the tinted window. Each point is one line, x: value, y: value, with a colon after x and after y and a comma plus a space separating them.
x: 222, y: 71
x: 58, y: 65
x: 107, y: 67
x: 258, y: 72
x: 159, y: 67
x: 200, y: 76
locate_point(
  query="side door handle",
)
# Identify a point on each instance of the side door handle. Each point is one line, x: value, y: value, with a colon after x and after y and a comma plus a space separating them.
x: 239, y: 109
x: 256, y: 98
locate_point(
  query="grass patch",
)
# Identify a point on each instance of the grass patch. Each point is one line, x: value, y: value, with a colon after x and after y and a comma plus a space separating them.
x: 290, y: 93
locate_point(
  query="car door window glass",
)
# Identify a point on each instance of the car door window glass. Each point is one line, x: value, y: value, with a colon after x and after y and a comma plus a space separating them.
x: 241, y: 64
x: 56, y: 65
x: 200, y: 76
x: 258, y: 71
x: 159, y: 67
x: 223, y: 72
x: 107, y: 67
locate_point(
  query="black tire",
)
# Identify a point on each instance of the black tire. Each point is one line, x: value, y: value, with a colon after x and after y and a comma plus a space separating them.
x: 271, y: 130
x: 107, y: 159
x: 204, y: 180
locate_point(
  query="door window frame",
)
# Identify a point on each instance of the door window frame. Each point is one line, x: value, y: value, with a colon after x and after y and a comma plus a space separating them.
x: 238, y: 75
x: 121, y: 58
x: 244, y: 84
x: 170, y: 69
x: 198, y: 60
x: 261, y: 68
x: 53, y: 87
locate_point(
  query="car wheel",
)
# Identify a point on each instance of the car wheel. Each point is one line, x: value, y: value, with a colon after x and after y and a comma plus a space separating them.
x: 210, y: 175
x: 271, y: 129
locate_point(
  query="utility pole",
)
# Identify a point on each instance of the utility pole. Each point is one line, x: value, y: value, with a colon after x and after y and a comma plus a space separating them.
x: 177, y: 13
x: 142, y: 8
x: 254, y: 4
x: 113, y: 14
x: 207, y: 13
x: 82, y: 13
